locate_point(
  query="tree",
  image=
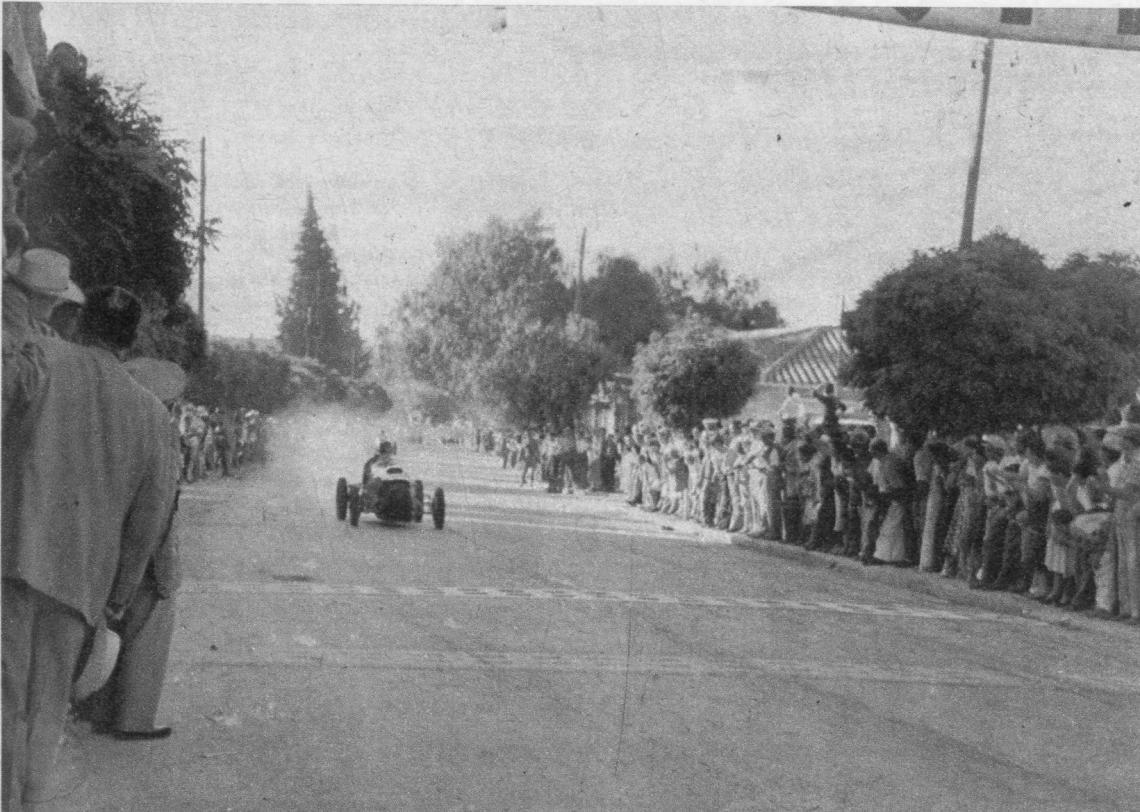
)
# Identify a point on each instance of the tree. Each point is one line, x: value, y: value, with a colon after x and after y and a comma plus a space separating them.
x: 545, y: 374
x: 487, y: 283
x: 691, y: 372
x: 105, y: 188
x: 318, y: 320
x: 989, y: 338
x: 1104, y: 295
x: 707, y: 291
x: 625, y: 303
x: 241, y: 377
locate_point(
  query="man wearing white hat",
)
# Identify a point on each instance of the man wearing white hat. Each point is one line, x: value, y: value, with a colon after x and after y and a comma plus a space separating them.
x: 34, y: 283
x: 89, y: 481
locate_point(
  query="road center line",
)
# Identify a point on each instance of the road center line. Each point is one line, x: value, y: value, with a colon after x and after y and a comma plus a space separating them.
x: 567, y: 594
x: 568, y: 662
x: 680, y: 535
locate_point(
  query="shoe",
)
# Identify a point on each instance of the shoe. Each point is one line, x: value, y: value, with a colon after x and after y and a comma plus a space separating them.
x: 1100, y: 614
x: 142, y: 735
x: 1020, y: 586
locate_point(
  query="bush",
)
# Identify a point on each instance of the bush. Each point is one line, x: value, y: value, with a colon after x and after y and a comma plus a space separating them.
x: 233, y: 377
x: 692, y: 372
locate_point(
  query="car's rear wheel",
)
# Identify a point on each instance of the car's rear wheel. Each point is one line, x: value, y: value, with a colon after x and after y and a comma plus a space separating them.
x: 341, y: 499
x: 418, y: 497
x: 437, y: 508
x: 354, y: 508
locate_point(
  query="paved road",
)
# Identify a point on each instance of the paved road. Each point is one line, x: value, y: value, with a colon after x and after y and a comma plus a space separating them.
x: 554, y: 652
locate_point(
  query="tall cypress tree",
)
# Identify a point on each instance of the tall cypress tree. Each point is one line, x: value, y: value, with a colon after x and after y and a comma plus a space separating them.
x: 318, y: 320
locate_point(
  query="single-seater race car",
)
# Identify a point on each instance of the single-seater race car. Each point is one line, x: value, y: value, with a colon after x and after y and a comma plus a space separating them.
x: 386, y: 491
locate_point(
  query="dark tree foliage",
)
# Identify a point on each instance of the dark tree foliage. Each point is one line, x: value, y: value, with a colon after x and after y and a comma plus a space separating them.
x: 625, y: 303
x: 544, y: 375
x: 486, y: 284
x: 111, y: 193
x: 989, y: 338
x: 175, y: 334
x: 105, y: 188
x: 708, y: 292
x: 692, y: 372
x: 1104, y: 296
x: 318, y: 320
x: 241, y: 377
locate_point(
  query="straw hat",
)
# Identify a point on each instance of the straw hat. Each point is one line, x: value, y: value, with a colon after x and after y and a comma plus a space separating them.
x: 45, y: 272
x: 100, y: 663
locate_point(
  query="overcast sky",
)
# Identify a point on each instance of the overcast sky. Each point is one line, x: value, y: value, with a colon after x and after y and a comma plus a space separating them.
x: 811, y: 152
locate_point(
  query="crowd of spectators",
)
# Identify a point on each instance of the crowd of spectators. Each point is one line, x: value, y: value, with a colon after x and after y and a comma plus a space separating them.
x: 217, y: 441
x: 1052, y: 513
x: 560, y: 460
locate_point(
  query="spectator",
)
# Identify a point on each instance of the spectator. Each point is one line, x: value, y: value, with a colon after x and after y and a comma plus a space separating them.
x: 73, y: 417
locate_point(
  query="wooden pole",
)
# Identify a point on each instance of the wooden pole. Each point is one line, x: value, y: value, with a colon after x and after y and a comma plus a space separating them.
x: 967, y: 236
x: 578, y: 287
x: 202, y: 238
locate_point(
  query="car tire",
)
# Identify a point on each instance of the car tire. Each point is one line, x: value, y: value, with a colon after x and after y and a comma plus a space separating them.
x: 354, y: 508
x: 418, y: 500
x: 437, y: 508
x: 341, y: 499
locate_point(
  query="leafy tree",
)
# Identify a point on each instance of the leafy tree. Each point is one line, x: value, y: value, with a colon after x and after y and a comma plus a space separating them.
x: 105, y: 188
x: 707, y: 291
x: 625, y: 303
x: 318, y: 320
x: 989, y: 338
x: 241, y: 377
x: 691, y: 372
x: 545, y: 374
x: 486, y: 284
x: 1104, y: 297
x: 174, y: 333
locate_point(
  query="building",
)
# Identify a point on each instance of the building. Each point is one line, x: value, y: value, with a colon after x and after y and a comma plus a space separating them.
x: 803, y: 359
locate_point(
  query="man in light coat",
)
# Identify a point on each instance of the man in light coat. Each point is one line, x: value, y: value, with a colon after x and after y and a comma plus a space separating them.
x: 126, y: 706
x: 89, y: 483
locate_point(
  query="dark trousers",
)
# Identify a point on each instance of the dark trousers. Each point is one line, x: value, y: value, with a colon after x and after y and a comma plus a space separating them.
x: 823, y: 533
x: 792, y: 514
x: 993, y: 544
x: 1035, y: 520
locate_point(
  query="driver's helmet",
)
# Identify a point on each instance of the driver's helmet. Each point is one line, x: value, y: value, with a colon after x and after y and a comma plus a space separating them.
x: 385, y: 447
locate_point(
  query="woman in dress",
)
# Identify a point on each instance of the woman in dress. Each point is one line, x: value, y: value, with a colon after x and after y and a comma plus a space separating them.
x: 894, y: 491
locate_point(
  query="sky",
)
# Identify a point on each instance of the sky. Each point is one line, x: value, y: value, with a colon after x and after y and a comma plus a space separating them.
x: 812, y: 153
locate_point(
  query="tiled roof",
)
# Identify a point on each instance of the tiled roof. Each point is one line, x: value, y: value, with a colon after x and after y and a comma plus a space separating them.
x: 811, y: 362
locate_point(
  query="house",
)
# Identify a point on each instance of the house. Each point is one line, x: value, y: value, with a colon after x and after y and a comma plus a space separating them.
x: 803, y: 359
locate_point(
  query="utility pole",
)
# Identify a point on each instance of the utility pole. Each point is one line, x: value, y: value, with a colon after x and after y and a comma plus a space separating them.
x: 202, y: 237
x: 967, y: 236
x: 578, y: 287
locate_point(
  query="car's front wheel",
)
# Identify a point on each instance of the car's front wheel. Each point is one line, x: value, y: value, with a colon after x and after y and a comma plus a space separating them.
x: 418, y: 500
x: 437, y: 508
x: 341, y: 499
x: 354, y: 508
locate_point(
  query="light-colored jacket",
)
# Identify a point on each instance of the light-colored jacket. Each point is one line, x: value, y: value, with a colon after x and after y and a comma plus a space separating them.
x: 90, y: 474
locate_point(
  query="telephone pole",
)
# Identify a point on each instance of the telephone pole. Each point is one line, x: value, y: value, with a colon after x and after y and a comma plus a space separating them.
x: 578, y: 287
x: 202, y: 237
x: 967, y: 237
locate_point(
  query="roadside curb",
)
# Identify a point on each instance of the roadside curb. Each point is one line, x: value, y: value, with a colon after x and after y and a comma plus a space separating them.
x: 931, y: 584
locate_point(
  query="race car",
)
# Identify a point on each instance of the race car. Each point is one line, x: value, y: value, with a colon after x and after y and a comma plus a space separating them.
x: 386, y: 491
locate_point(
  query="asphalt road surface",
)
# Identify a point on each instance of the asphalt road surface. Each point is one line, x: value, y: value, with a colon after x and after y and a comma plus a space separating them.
x: 551, y: 652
